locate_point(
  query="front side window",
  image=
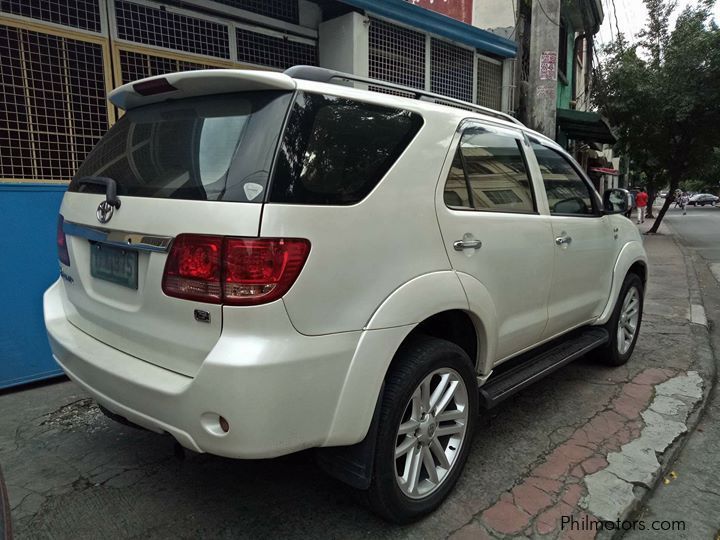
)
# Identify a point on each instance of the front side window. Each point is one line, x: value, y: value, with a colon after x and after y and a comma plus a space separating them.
x: 489, y: 173
x: 567, y: 192
x: 335, y: 150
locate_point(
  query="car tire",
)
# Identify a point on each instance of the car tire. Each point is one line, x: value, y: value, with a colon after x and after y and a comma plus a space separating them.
x: 395, y: 492
x: 620, y: 347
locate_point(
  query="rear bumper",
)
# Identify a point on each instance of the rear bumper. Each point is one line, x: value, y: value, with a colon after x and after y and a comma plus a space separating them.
x: 279, y: 394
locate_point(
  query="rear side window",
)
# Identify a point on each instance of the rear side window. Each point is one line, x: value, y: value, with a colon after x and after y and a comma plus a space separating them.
x: 216, y: 147
x: 335, y: 151
x: 489, y: 173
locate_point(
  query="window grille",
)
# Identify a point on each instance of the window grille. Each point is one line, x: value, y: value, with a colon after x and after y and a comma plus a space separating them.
x: 84, y: 14
x: 277, y: 52
x: 134, y: 65
x: 397, y: 55
x: 451, y: 70
x: 489, y: 80
x: 163, y: 28
x: 52, y: 103
x: 285, y: 10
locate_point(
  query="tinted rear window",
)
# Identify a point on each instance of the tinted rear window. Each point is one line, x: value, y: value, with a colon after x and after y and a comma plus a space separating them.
x: 335, y: 150
x: 217, y: 147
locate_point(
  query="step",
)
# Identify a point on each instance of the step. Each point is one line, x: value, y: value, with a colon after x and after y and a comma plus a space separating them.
x: 533, y: 366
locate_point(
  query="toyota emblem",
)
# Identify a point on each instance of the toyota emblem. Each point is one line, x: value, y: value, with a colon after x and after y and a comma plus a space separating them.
x: 104, y: 212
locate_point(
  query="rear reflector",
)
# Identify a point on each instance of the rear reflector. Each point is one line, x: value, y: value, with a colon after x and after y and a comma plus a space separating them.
x: 235, y: 271
x: 63, y: 254
x: 154, y: 86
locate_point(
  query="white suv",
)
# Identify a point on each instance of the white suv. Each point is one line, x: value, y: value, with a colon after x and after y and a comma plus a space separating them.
x: 258, y: 263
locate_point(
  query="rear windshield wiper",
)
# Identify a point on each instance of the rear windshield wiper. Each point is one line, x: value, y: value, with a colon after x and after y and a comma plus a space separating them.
x: 110, y: 187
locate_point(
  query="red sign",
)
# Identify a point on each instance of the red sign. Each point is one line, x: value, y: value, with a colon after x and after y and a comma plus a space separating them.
x: 457, y: 9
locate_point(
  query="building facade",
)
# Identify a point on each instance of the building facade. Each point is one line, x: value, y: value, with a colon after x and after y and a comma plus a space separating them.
x: 60, y: 58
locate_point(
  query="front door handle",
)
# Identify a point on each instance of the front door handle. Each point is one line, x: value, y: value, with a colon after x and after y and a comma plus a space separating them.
x: 563, y: 240
x: 467, y: 242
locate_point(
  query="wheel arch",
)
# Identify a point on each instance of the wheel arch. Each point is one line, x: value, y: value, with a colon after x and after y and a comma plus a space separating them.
x: 632, y: 259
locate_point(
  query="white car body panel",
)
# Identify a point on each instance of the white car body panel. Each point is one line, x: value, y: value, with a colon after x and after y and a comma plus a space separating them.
x: 585, y: 261
x: 145, y: 322
x: 306, y: 370
x: 418, y: 299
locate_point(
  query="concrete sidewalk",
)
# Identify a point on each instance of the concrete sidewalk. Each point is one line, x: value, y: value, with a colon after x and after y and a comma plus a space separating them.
x: 691, y: 491
x: 608, y: 466
x: 587, y: 443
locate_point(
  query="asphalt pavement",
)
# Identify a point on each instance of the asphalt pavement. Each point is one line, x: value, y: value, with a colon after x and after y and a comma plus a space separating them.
x: 555, y: 452
x: 691, y: 490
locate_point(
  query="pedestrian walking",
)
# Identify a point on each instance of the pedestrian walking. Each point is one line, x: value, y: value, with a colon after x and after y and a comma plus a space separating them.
x: 641, y: 200
x: 684, y: 199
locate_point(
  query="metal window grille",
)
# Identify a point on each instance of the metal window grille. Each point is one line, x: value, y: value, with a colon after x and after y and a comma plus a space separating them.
x: 451, y: 70
x: 285, y: 10
x: 397, y: 55
x: 489, y: 81
x: 134, y: 65
x: 163, y: 28
x: 52, y: 103
x: 265, y: 50
x: 84, y: 14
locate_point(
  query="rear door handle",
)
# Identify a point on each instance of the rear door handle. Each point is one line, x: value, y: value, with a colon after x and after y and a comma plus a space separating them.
x: 563, y: 240
x: 467, y: 242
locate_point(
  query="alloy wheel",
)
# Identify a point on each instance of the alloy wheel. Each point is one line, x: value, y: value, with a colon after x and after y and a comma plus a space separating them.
x: 628, y: 321
x: 431, y: 433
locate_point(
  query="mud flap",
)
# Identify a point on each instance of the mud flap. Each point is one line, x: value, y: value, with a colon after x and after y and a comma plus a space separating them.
x: 353, y: 465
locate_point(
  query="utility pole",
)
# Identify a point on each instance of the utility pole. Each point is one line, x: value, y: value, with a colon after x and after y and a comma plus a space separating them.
x: 544, y: 47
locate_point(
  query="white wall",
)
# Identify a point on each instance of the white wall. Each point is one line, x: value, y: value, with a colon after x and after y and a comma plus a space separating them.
x: 344, y: 44
x: 496, y: 16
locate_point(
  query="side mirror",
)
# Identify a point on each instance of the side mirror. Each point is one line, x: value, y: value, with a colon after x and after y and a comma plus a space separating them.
x: 616, y: 201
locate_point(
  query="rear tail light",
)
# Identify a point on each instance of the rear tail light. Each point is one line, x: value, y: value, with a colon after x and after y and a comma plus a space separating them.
x: 63, y: 254
x: 235, y: 271
x: 194, y: 268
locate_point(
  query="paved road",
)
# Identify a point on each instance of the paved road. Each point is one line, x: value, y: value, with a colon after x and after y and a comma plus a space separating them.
x: 692, y: 494
x: 72, y: 473
x: 699, y: 230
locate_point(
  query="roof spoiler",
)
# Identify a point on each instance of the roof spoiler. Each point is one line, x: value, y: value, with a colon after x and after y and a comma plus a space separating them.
x: 196, y: 83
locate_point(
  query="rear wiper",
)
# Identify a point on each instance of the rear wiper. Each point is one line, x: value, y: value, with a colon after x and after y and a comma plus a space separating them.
x: 110, y: 187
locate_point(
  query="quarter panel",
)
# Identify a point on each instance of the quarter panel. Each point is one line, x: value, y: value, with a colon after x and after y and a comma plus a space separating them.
x: 419, y: 299
x: 360, y: 254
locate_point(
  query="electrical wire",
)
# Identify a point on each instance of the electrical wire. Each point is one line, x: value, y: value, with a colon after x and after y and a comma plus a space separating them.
x: 607, y: 7
x: 617, y: 26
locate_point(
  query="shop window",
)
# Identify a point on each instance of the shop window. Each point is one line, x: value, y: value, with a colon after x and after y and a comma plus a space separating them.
x: 278, y: 52
x: 451, y: 70
x: 52, y: 107
x: 84, y: 14
x: 397, y: 55
x: 163, y: 28
x: 489, y: 78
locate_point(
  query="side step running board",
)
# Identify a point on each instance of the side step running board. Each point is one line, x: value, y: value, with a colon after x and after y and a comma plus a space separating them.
x: 533, y: 368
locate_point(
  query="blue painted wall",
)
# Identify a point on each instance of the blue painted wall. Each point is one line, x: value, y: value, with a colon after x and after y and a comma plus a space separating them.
x: 28, y: 265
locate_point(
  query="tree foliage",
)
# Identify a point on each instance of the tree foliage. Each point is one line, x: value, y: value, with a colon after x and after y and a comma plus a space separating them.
x: 662, y: 94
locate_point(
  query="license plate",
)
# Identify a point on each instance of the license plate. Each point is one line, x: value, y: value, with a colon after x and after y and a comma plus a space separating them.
x: 115, y: 265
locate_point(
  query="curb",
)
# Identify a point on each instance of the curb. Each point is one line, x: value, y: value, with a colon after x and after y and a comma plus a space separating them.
x: 607, y: 469
x: 5, y: 521
x: 705, y: 362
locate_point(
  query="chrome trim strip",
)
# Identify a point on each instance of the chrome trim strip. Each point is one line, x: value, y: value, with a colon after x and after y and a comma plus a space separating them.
x: 125, y: 239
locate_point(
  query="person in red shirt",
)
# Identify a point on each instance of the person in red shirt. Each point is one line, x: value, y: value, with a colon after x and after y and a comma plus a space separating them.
x: 641, y: 200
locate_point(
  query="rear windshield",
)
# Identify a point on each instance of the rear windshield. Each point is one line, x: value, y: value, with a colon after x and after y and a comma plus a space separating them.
x: 217, y: 147
x: 334, y: 150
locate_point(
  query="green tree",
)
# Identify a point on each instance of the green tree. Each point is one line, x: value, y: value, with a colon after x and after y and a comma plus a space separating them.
x: 662, y: 94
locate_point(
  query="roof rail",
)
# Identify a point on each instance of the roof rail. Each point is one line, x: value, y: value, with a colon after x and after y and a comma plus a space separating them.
x: 324, y: 75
